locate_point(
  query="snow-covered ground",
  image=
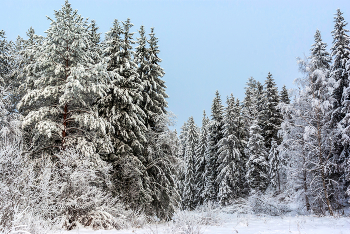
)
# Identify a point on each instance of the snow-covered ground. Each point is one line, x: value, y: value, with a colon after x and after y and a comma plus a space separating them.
x: 194, y: 223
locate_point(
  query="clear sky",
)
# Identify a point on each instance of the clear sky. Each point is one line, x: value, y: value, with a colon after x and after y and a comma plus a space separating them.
x: 206, y: 45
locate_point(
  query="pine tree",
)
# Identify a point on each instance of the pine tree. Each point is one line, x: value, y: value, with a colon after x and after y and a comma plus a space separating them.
x: 229, y: 159
x: 215, y: 129
x: 62, y: 83
x: 200, y: 161
x: 190, y: 157
x: 271, y: 117
x: 257, y: 165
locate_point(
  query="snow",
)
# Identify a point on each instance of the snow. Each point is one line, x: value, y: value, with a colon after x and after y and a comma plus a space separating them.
x: 242, y: 224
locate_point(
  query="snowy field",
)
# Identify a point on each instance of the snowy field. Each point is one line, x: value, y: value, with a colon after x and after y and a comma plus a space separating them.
x: 189, y: 223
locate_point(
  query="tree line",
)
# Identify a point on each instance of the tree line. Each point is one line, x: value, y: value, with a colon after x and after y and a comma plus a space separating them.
x: 292, y: 143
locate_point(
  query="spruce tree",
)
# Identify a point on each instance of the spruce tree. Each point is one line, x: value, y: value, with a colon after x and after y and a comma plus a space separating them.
x: 200, y: 161
x: 150, y: 72
x: 257, y: 165
x: 340, y: 52
x: 62, y: 83
x: 274, y: 165
x: 215, y: 130
x: 190, y: 157
x: 161, y: 169
x: 284, y: 96
x: 153, y: 105
x: 6, y: 58
x: 271, y: 116
x: 181, y: 158
x: 120, y: 106
x: 229, y: 159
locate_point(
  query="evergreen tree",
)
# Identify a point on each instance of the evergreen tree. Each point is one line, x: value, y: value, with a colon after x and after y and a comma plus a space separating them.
x: 6, y: 59
x: 250, y: 102
x: 150, y: 73
x: 181, y: 157
x: 215, y: 129
x: 229, y: 158
x: 242, y: 137
x: 190, y: 157
x: 271, y: 116
x: 274, y: 165
x: 161, y: 171
x: 340, y: 52
x: 200, y: 161
x: 121, y: 108
x: 62, y: 83
x: 284, y: 96
x: 257, y: 165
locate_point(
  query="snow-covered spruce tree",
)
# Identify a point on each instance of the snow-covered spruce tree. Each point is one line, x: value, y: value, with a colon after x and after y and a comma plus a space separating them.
x: 257, y: 166
x: 121, y: 108
x: 274, y: 166
x: 6, y: 58
x: 62, y: 83
x: 271, y: 116
x: 284, y: 96
x: 190, y: 157
x: 242, y: 137
x: 215, y: 134
x: 161, y: 177
x: 181, y: 157
x: 229, y: 160
x: 153, y: 103
x: 253, y: 105
x: 250, y: 102
x: 95, y: 38
x: 340, y: 52
x: 200, y: 161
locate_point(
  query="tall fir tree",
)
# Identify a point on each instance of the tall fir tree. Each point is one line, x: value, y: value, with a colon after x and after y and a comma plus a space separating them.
x: 153, y: 104
x: 229, y: 159
x: 272, y: 118
x: 190, y: 157
x: 284, y: 96
x: 121, y: 108
x: 274, y: 166
x: 150, y: 73
x: 215, y: 130
x: 181, y: 157
x: 257, y: 165
x: 200, y: 161
x: 340, y: 52
x: 62, y: 83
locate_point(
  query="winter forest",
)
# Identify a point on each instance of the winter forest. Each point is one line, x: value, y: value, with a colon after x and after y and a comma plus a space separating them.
x: 86, y: 137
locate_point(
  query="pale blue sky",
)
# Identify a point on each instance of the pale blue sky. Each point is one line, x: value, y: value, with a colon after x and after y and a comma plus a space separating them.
x: 206, y: 45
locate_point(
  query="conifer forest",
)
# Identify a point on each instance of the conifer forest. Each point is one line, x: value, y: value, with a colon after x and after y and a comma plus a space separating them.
x: 86, y: 136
